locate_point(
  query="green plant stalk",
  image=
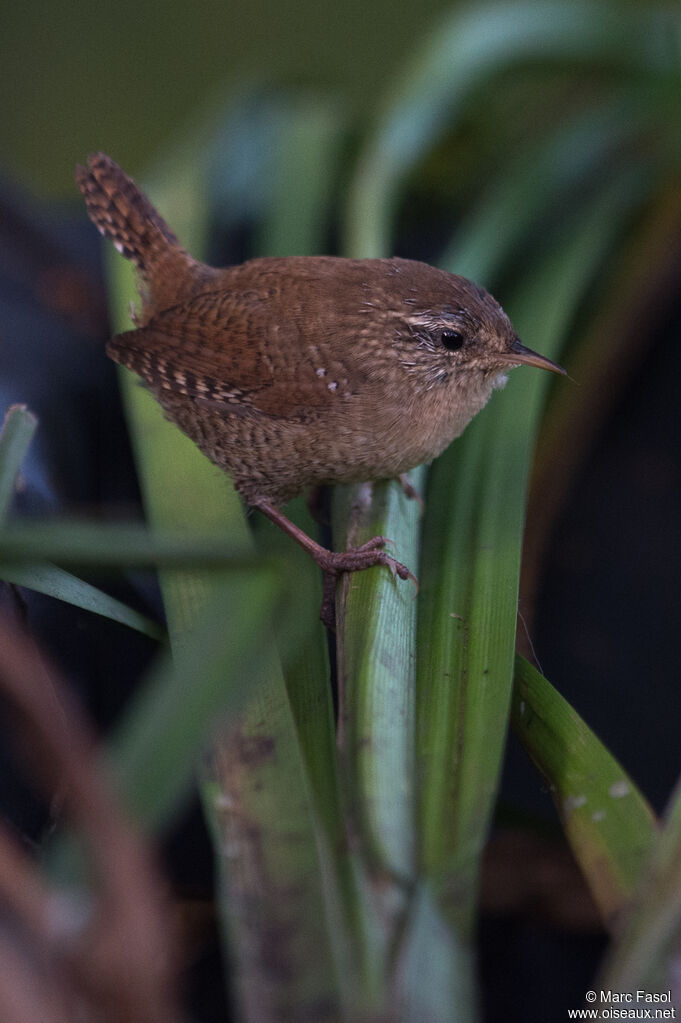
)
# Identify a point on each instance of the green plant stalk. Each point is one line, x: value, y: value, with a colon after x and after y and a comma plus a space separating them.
x: 376, y: 624
x: 432, y: 978
x: 306, y: 670
x: 610, y: 826
x: 272, y: 897
x: 376, y: 637
x: 465, y: 647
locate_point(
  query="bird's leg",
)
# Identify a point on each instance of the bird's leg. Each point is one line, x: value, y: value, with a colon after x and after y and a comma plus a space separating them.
x: 333, y: 562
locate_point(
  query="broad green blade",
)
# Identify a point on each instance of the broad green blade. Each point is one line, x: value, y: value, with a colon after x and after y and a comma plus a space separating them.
x: 15, y: 437
x: 55, y: 582
x: 472, y: 537
x: 296, y: 178
x: 608, y: 823
x: 432, y: 976
x: 376, y: 630
x: 296, y: 222
x: 157, y: 748
x: 306, y: 670
x: 272, y: 898
x: 376, y: 662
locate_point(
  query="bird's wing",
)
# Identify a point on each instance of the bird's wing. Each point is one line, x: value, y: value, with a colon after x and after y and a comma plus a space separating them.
x: 235, y: 351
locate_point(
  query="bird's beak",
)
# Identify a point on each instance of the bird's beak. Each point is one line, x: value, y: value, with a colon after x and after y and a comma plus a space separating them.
x: 519, y: 355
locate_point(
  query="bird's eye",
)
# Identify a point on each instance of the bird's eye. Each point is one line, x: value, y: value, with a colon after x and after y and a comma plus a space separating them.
x: 452, y: 340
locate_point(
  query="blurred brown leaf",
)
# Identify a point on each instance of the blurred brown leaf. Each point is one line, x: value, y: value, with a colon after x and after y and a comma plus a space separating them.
x: 106, y: 956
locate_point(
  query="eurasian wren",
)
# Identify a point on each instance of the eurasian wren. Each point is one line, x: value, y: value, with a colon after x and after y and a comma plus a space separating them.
x: 296, y: 372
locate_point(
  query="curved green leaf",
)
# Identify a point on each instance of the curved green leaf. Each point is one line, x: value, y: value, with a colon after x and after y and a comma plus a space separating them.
x: 609, y: 825
x: 55, y: 582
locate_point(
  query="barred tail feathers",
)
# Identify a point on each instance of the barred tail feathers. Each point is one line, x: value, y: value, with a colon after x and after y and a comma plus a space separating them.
x: 122, y: 213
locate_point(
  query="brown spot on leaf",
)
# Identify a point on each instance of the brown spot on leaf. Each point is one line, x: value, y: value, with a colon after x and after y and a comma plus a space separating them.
x: 255, y: 749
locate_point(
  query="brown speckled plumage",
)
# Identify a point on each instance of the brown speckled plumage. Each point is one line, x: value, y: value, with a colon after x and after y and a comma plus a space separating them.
x: 301, y: 371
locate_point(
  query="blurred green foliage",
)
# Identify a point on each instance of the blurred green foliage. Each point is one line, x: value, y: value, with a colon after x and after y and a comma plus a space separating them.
x: 128, y: 77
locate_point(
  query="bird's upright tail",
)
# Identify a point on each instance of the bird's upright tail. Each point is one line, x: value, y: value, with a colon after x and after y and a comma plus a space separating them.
x: 121, y: 212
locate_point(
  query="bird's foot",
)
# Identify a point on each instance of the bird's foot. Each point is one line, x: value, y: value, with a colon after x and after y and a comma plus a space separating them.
x: 332, y: 563
x: 356, y: 559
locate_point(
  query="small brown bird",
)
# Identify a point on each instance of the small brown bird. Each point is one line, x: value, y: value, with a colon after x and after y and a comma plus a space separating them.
x: 296, y: 372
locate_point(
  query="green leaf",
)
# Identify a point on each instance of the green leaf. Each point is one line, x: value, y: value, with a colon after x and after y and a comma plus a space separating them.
x: 15, y: 438
x: 472, y: 537
x: 55, y: 582
x: 273, y: 892
x: 376, y: 628
x: 376, y: 643
x: 433, y: 975
x: 81, y: 542
x: 214, y: 671
x: 608, y: 823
